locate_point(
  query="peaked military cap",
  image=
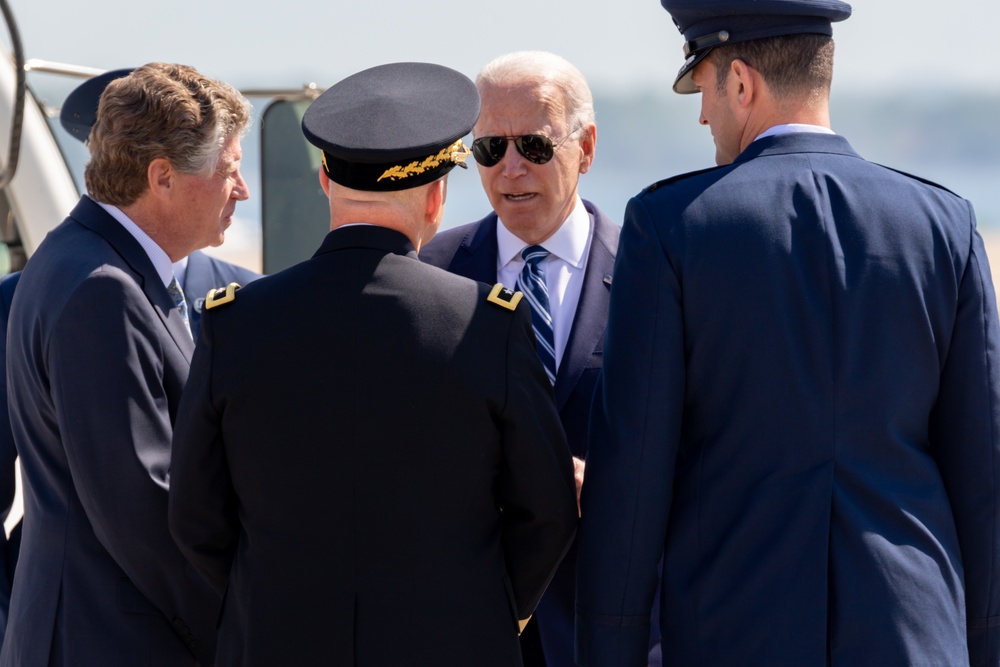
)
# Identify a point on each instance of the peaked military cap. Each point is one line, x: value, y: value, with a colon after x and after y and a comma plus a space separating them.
x: 393, y: 127
x: 79, y: 111
x: 707, y: 24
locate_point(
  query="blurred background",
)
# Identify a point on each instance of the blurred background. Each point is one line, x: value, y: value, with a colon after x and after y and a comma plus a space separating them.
x: 916, y: 86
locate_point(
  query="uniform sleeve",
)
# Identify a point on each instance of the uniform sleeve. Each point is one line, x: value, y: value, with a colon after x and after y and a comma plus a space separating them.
x: 106, y: 369
x: 634, y: 434
x: 965, y: 439
x: 203, y: 517
x: 537, y: 490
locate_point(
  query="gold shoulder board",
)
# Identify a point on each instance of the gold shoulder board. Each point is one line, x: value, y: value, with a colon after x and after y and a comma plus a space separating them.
x: 221, y: 295
x: 503, y: 297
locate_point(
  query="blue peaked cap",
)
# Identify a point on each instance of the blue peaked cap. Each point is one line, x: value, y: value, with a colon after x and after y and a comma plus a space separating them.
x: 79, y: 111
x: 707, y: 24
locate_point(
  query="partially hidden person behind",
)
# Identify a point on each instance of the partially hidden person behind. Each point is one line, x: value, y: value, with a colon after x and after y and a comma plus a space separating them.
x: 800, y: 399
x: 378, y: 475
x: 9, y: 544
x: 535, y: 137
x: 99, y: 346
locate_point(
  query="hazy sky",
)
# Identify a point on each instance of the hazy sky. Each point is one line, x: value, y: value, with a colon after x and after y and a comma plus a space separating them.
x: 616, y: 43
x: 620, y: 45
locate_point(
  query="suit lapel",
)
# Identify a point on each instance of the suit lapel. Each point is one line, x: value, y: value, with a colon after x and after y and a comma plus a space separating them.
x: 591, y: 315
x: 95, y: 218
x: 477, y: 255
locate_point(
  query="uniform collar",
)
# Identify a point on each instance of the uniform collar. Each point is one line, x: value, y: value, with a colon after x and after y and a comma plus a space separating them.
x: 367, y: 236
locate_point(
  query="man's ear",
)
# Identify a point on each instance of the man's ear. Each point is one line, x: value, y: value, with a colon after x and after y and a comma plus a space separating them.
x: 746, y: 81
x: 324, y: 182
x: 436, y: 195
x: 588, y: 146
x: 160, y: 177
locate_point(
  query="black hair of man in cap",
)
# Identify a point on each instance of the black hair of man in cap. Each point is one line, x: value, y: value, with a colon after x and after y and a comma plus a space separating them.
x: 404, y: 486
x: 800, y: 404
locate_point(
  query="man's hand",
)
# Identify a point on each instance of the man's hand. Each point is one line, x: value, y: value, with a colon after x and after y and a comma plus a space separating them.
x: 579, y: 465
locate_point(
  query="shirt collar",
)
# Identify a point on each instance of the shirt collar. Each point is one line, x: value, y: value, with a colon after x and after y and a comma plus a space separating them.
x: 180, y: 270
x: 568, y: 243
x: 793, y: 128
x: 161, y: 262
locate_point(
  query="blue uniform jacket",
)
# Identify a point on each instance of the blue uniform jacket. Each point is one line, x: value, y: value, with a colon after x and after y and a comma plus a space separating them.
x: 800, y: 411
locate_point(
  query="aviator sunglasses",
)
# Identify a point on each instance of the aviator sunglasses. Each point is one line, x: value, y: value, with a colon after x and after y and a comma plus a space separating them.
x: 536, y: 148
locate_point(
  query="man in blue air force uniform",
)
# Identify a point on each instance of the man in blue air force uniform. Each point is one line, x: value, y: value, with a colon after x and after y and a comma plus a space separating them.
x: 800, y: 402
x: 391, y: 483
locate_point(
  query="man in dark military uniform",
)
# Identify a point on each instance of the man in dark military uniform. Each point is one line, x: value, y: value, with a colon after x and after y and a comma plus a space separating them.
x: 800, y: 397
x: 368, y: 458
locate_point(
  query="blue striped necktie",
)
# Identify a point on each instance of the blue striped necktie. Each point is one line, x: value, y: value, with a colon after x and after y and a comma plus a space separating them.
x: 531, y: 283
x: 178, y: 296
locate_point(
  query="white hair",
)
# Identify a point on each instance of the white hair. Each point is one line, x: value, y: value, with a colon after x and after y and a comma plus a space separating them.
x: 546, y: 69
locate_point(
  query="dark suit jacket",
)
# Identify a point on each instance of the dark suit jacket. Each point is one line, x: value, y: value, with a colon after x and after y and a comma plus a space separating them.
x: 97, y: 358
x: 471, y: 251
x: 801, y: 408
x: 8, y: 458
x: 377, y: 475
x: 203, y: 273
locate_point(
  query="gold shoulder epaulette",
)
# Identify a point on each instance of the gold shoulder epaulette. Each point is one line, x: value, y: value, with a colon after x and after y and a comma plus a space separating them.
x: 221, y: 295
x: 503, y: 297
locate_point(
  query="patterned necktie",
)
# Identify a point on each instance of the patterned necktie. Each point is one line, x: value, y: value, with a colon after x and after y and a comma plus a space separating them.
x: 182, y: 307
x: 531, y: 283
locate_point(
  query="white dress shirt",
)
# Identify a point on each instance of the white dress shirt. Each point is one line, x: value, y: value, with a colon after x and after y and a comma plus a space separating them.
x: 564, y: 268
x: 792, y: 128
x: 161, y: 262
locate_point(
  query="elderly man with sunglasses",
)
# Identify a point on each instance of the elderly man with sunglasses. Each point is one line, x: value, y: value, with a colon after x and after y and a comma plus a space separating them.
x: 535, y: 136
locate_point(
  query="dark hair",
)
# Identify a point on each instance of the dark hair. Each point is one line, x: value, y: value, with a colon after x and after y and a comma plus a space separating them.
x: 790, y: 64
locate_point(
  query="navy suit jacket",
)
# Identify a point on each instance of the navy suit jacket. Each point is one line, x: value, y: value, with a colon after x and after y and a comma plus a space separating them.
x: 8, y: 458
x: 800, y: 412
x: 471, y: 251
x: 204, y: 273
x: 97, y: 358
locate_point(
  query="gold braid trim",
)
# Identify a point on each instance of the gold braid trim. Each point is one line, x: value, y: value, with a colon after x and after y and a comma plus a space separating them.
x: 456, y: 153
